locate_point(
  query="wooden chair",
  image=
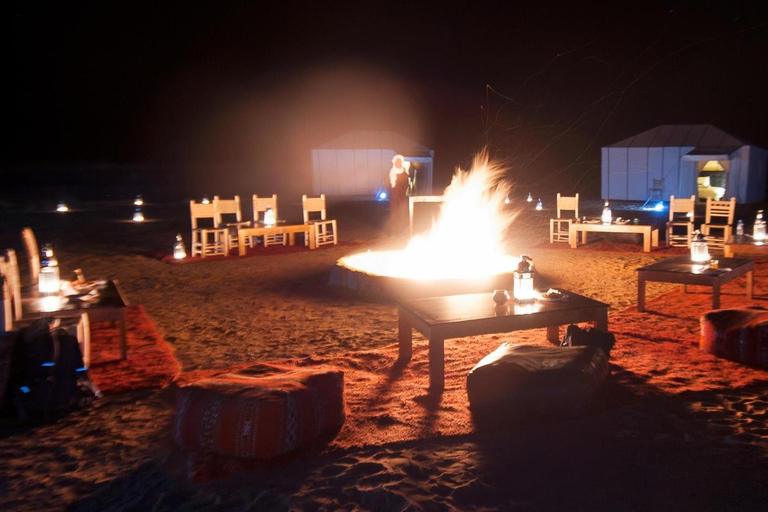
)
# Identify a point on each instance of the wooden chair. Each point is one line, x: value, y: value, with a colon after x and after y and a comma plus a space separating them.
x: 559, y: 228
x: 33, y: 254
x: 78, y: 326
x: 325, y: 229
x: 260, y: 205
x: 229, y: 207
x: 680, y: 216
x: 717, y: 224
x: 206, y: 241
x: 656, y: 190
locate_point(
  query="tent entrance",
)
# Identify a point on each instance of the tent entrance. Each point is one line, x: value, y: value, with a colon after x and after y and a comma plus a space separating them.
x: 712, y: 179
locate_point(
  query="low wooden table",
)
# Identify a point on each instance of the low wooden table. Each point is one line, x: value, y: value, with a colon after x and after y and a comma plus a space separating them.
x: 683, y: 271
x: 650, y: 234
x: 289, y: 230
x: 457, y: 316
x: 745, y: 245
x: 109, y: 306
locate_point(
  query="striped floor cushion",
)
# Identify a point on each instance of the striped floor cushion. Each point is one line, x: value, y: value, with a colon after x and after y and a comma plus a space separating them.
x: 739, y: 334
x: 259, y: 412
x: 524, y: 379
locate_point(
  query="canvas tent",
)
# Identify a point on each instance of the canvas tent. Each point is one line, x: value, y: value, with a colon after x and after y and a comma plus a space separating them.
x: 357, y: 163
x: 684, y: 160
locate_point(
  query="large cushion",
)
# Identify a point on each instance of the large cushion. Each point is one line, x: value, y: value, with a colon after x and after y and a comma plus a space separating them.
x: 259, y: 412
x: 739, y: 334
x: 554, y: 381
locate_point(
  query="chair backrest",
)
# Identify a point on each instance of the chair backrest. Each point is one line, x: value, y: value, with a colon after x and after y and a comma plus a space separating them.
x: 681, y: 209
x: 312, y: 205
x: 657, y: 184
x: 33, y: 253
x: 226, y: 207
x: 14, y: 281
x: 721, y: 212
x: 260, y: 205
x: 200, y: 211
x: 568, y: 203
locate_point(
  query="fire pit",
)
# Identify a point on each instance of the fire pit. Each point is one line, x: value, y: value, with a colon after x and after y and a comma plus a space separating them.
x: 463, y: 252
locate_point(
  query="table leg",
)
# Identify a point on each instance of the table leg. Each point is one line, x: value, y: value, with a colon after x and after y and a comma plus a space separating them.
x: 553, y: 334
x: 404, y: 338
x: 583, y: 238
x: 655, y: 237
x: 640, y: 292
x: 647, y: 240
x: 436, y: 364
x: 291, y: 238
x: 750, y: 284
x: 727, y: 251
x: 123, y: 340
x: 241, y: 245
x: 312, y: 241
x: 716, y: 296
x: 573, y: 237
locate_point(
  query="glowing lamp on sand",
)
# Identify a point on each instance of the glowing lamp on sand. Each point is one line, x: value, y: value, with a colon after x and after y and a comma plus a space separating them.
x: 530, y: 198
x: 539, y: 205
x: 48, y: 281
x: 506, y: 200
x: 139, y: 201
x: 138, y: 215
x: 606, y: 217
x: 699, y: 248
x: 269, y: 217
x: 523, y: 284
x: 758, y: 232
x: 61, y: 207
x: 382, y: 195
x: 179, y: 252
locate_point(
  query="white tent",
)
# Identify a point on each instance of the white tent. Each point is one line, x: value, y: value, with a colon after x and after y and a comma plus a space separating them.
x: 357, y: 163
x: 684, y: 160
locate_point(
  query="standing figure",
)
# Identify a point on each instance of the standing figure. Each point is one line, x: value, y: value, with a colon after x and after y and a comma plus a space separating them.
x: 398, y: 199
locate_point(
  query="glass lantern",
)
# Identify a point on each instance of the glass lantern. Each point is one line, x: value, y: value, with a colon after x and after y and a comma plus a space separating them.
x: 138, y: 215
x: 179, y: 252
x: 758, y: 232
x: 205, y: 200
x: 61, y: 207
x: 699, y: 248
x: 530, y: 198
x: 270, y: 219
x: 523, y: 290
x: 506, y: 200
x: 48, y: 281
x: 539, y: 205
x: 606, y: 217
x: 139, y: 201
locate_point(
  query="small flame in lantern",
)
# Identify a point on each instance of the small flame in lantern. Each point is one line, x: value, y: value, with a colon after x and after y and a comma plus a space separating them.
x: 473, y: 207
x: 61, y: 207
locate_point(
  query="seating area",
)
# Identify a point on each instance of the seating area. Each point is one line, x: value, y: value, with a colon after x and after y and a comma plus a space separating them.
x: 218, y: 227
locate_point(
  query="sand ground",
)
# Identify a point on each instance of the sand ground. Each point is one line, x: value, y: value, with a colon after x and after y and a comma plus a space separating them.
x: 117, y: 454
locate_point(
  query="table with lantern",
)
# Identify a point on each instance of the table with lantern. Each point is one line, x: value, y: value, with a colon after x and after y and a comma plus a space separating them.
x: 261, y: 229
x: 650, y: 234
x: 684, y: 271
x: 106, y: 303
x: 745, y: 245
x: 458, y: 316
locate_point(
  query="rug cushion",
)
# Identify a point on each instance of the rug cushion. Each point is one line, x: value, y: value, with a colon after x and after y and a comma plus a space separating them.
x: 259, y: 412
x: 552, y: 381
x: 739, y: 334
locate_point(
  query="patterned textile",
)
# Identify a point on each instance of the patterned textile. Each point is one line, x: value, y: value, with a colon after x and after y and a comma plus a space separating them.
x: 739, y: 334
x: 259, y: 412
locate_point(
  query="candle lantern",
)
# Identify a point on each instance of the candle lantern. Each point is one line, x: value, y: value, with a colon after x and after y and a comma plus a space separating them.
x: 606, y: 217
x: 699, y: 249
x: 506, y: 200
x: 205, y: 200
x: 179, y: 252
x: 61, y: 207
x: 539, y: 205
x: 530, y: 198
x: 139, y: 201
x: 269, y: 217
x: 758, y: 232
x: 138, y: 215
x: 48, y: 281
x: 523, y: 281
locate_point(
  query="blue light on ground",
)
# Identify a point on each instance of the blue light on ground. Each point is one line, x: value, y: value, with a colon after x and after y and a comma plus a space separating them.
x: 381, y: 195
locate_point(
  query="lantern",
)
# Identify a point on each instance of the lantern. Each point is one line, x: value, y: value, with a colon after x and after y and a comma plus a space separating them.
x: 699, y: 249
x: 500, y: 297
x: 179, y: 252
x: 530, y: 198
x: 758, y: 232
x: 205, y: 200
x: 539, y: 205
x: 48, y: 281
x: 61, y: 207
x: 139, y: 201
x: 506, y: 200
x: 523, y: 281
x: 606, y: 217
x: 269, y: 217
x: 138, y: 216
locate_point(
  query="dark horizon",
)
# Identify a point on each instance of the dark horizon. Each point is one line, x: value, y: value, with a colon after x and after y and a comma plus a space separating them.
x: 256, y: 86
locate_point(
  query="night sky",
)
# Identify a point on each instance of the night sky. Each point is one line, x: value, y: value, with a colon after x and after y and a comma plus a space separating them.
x: 248, y: 88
